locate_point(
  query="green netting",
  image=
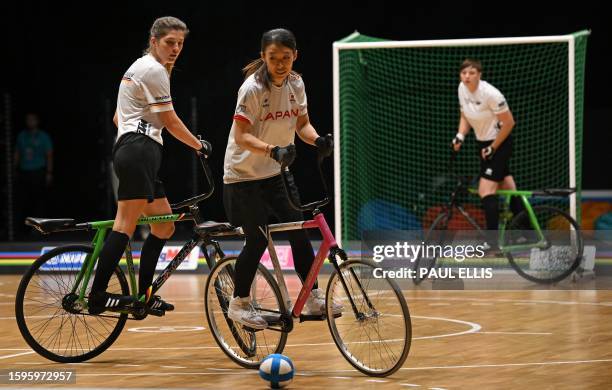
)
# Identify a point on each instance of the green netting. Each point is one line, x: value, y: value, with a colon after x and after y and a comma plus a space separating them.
x: 399, y: 112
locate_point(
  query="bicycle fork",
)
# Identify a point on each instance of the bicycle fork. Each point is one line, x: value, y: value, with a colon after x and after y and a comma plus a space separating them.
x: 342, y: 255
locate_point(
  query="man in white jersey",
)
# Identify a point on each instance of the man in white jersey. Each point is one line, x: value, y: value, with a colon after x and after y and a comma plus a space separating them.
x: 271, y: 109
x: 144, y: 108
x: 484, y: 108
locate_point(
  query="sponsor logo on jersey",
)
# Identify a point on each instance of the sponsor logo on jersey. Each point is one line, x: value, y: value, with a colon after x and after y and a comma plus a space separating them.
x: 500, y: 105
x: 143, y: 127
x: 266, y: 103
x: 162, y: 98
x: 280, y: 115
x: 291, y: 98
x: 489, y: 171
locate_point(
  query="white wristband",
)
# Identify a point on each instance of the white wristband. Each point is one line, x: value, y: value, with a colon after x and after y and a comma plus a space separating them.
x: 460, y: 137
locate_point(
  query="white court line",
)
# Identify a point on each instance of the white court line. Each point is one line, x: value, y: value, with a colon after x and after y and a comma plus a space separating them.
x: 174, y: 312
x: 437, y: 388
x: 340, y: 377
x: 481, y: 366
x: 509, y: 365
x: 409, y: 384
x: 16, y: 354
x: 376, y: 380
x: 247, y: 372
x: 481, y: 304
x: 244, y: 372
x: 473, y: 328
x: 534, y: 333
x: 172, y: 367
x: 28, y: 363
x: 127, y: 365
x: 509, y: 301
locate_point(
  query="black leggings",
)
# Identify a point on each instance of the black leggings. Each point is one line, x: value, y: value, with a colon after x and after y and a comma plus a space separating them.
x: 250, y: 204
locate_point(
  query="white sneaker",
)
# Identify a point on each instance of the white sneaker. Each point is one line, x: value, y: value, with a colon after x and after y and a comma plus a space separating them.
x: 241, y: 311
x: 315, y: 304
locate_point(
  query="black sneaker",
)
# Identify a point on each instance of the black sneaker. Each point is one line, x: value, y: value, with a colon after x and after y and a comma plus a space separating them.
x: 156, y: 303
x: 101, y: 301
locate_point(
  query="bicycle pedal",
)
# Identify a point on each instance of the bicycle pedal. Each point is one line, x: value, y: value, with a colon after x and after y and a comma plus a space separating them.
x: 157, y: 313
x: 253, y: 330
x: 312, y: 317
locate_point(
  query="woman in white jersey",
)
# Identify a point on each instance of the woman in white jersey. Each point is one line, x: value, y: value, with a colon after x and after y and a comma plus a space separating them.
x: 144, y: 108
x: 484, y: 108
x: 271, y: 109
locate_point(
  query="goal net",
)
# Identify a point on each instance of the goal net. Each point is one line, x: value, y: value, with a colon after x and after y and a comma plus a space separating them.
x: 396, y: 112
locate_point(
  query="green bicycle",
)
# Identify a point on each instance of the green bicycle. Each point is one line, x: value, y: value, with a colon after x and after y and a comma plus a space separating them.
x: 51, y: 301
x: 542, y: 243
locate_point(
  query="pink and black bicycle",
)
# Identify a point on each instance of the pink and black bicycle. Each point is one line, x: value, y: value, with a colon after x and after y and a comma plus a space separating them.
x: 372, y: 329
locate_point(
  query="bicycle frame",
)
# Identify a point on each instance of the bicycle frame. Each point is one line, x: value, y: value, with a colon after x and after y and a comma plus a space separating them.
x: 505, y: 214
x: 101, y: 228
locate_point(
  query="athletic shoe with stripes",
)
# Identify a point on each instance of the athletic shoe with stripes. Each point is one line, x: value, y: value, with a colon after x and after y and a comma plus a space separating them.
x: 157, y: 303
x: 100, y: 301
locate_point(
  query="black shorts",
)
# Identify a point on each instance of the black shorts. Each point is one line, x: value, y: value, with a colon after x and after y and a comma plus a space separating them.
x: 498, y: 167
x: 136, y: 161
x: 251, y: 204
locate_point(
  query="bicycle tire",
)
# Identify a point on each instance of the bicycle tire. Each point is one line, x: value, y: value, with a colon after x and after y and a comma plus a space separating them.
x: 386, y: 295
x: 567, y: 252
x: 427, y: 263
x: 225, y: 339
x: 74, y: 351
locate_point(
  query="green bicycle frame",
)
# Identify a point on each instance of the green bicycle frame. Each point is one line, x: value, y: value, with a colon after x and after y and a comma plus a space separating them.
x: 506, y: 216
x: 101, y: 228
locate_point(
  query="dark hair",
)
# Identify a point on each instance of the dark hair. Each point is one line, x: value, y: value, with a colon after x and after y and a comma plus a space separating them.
x: 258, y: 67
x: 471, y: 63
x: 161, y: 27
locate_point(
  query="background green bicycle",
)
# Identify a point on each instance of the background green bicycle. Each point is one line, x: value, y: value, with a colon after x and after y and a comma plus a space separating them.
x: 542, y: 243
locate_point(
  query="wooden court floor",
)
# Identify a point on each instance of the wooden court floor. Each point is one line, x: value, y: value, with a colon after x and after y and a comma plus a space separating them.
x: 461, y: 340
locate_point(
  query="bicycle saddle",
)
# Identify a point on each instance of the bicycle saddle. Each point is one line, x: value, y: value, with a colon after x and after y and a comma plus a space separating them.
x: 46, y: 225
x: 210, y: 227
x: 556, y: 191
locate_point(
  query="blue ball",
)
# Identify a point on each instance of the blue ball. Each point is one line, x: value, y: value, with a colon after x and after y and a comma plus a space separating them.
x: 277, y: 370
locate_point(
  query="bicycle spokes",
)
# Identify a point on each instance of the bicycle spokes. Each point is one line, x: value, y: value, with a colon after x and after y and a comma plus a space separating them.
x: 375, y: 338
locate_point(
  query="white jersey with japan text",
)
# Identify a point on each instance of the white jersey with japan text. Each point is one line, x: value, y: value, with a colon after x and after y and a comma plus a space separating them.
x: 273, y: 115
x: 144, y: 91
x: 480, y: 109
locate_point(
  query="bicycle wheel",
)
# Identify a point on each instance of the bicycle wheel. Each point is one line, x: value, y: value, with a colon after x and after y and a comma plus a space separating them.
x: 563, y: 251
x: 41, y: 304
x: 376, y: 338
x: 435, y: 236
x: 245, y: 347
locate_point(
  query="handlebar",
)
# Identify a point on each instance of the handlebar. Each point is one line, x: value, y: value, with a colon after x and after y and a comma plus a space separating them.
x: 286, y: 175
x: 203, y: 154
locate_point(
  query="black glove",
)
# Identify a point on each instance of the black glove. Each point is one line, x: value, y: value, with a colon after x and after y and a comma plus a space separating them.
x: 284, y: 155
x: 488, y: 152
x: 206, y: 149
x: 325, y: 145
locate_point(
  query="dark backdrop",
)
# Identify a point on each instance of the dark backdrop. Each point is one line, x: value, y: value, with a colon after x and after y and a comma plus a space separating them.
x: 65, y: 62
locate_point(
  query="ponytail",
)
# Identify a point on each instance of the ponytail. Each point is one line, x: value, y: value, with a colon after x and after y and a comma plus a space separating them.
x: 260, y: 70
